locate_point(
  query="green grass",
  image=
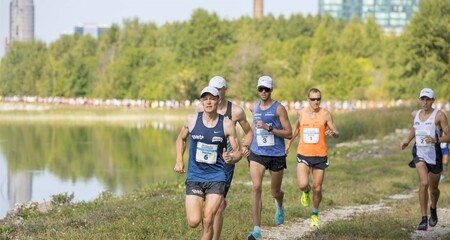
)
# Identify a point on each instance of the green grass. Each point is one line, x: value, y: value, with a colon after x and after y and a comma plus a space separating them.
x: 159, y: 213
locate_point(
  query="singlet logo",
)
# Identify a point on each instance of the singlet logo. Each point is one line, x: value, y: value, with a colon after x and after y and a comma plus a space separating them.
x: 196, y: 191
x: 270, y: 114
x: 217, y: 139
x: 416, y: 123
x: 198, y: 137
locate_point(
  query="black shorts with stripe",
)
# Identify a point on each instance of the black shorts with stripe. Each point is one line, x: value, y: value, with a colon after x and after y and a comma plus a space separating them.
x: 314, y: 162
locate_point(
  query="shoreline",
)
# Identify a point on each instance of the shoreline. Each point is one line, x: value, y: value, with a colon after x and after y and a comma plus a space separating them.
x: 90, y: 117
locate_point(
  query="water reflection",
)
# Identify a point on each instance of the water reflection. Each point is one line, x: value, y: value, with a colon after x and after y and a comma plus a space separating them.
x: 40, y: 160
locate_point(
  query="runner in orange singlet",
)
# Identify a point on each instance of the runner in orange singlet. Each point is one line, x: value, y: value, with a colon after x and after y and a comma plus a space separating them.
x: 313, y: 124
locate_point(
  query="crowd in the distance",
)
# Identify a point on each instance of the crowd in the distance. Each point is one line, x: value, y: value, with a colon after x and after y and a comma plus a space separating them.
x: 332, y: 105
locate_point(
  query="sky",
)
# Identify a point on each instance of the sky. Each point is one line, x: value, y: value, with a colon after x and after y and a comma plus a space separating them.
x: 56, y: 17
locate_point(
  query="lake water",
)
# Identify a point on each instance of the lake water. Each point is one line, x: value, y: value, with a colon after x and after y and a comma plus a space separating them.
x: 38, y: 161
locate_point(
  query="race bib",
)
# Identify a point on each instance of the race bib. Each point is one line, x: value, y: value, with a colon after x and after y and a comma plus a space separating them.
x: 310, y: 135
x: 420, y: 138
x: 206, y: 153
x: 264, y: 138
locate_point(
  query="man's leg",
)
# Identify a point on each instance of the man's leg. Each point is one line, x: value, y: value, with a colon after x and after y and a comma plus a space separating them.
x: 302, y: 176
x: 318, y: 175
x: 218, y: 221
x: 433, y: 180
x: 276, y: 179
x: 444, y: 166
x: 256, y: 173
x: 422, y: 171
x: 303, y: 183
x: 212, y: 204
x: 194, y: 205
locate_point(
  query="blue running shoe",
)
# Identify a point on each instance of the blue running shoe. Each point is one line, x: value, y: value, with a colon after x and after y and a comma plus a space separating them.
x: 255, y: 235
x: 279, y: 215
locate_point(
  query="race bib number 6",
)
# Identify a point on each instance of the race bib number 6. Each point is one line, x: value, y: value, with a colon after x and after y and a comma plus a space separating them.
x: 206, y: 153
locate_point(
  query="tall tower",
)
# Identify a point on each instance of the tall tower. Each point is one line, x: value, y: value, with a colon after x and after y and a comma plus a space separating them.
x: 257, y: 9
x: 21, y: 20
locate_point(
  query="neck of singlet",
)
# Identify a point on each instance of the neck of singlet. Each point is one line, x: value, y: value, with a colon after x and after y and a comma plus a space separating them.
x: 263, y: 105
x: 428, y: 111
x: 212, y: 119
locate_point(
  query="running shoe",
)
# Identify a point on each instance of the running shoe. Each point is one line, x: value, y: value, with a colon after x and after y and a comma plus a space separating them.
x: 442, y: 178
x: 315, y: 221
x: 423, y: 225
x: 255, y: 235
x: 279, y: 215
x: 305, y: 200
x: 433, y: 217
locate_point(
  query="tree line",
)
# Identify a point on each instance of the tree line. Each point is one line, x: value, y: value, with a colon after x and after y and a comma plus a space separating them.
x: 353, y: 60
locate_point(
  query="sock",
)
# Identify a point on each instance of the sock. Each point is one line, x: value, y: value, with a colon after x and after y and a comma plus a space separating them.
x: 307, y: 189
x: 315, y: 212
x: 257, y: 229
x: 278, y: 204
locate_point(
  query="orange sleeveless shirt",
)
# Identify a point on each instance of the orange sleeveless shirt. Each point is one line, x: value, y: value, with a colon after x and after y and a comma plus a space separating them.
x: 312, y: 135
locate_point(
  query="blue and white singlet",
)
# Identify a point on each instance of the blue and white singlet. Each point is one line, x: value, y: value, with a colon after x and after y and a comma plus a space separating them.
x: 206, y: 163
x: 266, y: 143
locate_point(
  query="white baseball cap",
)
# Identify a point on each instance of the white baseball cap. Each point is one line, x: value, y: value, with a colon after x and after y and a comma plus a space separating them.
x: 211, y: 90
x: 217, y: 82
x: 265, y: 81
x: 426, y: 92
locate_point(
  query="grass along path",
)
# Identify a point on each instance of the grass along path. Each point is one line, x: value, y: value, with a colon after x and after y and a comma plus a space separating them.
x: 360, y: 202
x: 300, y: 227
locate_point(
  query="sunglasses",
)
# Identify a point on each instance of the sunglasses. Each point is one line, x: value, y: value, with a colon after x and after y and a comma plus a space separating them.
x: 261, y: 89
x: 426, y: 99
x: 315, y: 99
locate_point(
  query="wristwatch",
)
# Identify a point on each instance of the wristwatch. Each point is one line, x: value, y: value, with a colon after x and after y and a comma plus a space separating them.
x: 270, y: 128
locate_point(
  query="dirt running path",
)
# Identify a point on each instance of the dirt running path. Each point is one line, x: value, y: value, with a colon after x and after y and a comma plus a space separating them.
x: 301, y: 227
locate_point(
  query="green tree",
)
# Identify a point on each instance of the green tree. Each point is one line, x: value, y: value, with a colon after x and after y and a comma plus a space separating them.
x: 372, y: 38
x: 424, y: 54
x: 352, y: 39
x: 120, y: 75
x: 59, y: 67
x: 22, y: 68
x: 341, y: 77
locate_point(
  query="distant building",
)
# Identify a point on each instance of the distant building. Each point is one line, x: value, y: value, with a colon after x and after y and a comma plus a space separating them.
x: 5, y: 44
x: 258, y: 9
x: 21, y: 20
x: 391, y: 15
x: 95, y: 30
